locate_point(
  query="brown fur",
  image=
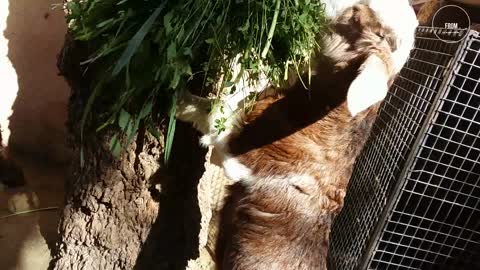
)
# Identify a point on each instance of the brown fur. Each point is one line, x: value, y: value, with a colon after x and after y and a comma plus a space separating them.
x: 273, y: 223
x: 427, y: 11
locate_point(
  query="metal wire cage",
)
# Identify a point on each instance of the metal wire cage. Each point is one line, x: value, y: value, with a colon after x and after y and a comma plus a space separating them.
x: 413, y: 199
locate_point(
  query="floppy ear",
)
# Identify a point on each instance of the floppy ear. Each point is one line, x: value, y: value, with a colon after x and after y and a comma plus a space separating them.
x: 370, y: 86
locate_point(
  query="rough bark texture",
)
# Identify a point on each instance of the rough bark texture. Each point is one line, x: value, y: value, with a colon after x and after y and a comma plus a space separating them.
x: 109, y: 209
x: 111, y: 218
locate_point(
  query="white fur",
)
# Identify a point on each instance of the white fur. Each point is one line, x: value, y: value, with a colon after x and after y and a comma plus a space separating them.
x: 229, y: 106
x: 194, y: 109
x: 397, y: 15
x: 400, y: 17
x: 236, y: 171
x: 374, y: 78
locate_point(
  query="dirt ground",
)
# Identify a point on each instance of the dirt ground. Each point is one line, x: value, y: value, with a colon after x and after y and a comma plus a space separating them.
x: 24, y: 238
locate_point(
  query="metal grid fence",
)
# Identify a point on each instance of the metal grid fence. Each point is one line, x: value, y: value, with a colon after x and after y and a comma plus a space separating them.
x: 413, y: 197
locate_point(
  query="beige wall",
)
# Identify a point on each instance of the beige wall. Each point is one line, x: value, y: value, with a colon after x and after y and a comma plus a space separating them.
x: 34, y: 33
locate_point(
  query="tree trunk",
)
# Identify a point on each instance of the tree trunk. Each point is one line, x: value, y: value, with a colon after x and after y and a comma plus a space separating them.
x: 108, y: 208
x: 111, y: 216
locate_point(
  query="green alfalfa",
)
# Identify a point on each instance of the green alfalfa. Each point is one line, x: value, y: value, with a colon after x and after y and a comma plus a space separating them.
x: 177, y: 41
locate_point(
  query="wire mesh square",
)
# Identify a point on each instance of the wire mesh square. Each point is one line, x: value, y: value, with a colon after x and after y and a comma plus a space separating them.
x: 412, y: 202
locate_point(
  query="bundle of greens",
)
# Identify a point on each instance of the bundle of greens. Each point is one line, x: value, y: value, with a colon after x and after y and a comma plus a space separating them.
x: 150, y: 49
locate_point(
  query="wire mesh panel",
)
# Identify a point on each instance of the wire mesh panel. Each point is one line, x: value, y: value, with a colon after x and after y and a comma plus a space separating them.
x: 435, y: 221
x: 385, y: 222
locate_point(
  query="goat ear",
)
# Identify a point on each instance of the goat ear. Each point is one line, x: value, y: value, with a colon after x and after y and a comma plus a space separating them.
x: 369, y: 87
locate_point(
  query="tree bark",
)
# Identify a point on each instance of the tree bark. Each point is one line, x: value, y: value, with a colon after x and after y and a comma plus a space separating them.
x: 111, y: 217
x: 109, y: 209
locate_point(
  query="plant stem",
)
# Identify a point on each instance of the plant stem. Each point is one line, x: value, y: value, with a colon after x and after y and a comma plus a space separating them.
x: 30, y: 211
x: 272, y: 30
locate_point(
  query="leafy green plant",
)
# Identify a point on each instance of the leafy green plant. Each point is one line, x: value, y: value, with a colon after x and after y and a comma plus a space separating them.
x: 148, y: 50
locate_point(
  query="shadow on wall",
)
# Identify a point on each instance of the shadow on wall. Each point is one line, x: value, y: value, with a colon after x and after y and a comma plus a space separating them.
x: 26, y: 240
x: 35, y: 35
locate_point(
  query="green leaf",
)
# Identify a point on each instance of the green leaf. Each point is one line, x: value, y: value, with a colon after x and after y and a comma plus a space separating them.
x: 106, y: 124
x: 104, y: 23
x: 188, y: 52
x: 154, y: 133
x: 135, y: 42
x: 181, y: 33
x: 146, y: 110
x: 176, y: 79
x: 129, y: 130
x: 229, y: 84
x: 171, y: 51
x: 185, y: 68
x: 132, y: 130
x: 166, y: 22
x: 210, y: 41
x: 245, y: 27
x: 88, y: 107
x: 115, y: 146
x: 171, y: 130
x: 123, y: 119
x: 303, y: 18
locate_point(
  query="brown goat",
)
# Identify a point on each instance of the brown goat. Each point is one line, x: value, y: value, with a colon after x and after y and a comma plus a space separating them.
x: 293, y: 154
